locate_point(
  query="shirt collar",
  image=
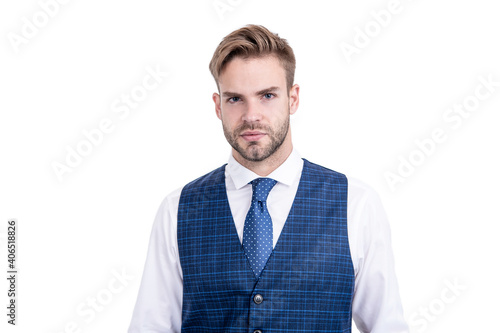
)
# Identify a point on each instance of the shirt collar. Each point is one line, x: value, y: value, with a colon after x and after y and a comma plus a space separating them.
x: 286, y: 173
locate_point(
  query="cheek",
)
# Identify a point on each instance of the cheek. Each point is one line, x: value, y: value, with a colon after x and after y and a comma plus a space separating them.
x: 229, y: 117
x: 278, y: 111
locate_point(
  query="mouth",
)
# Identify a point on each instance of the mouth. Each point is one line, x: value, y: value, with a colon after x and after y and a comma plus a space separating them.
x: 252, y: 135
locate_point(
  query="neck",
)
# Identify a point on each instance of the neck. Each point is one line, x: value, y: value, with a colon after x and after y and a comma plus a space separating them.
x: 265, y: 167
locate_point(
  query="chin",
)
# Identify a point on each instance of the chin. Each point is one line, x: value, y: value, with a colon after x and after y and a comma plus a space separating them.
x: 255, y: 155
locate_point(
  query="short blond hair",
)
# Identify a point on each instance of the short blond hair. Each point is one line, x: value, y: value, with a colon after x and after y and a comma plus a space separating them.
x: 249, y: 42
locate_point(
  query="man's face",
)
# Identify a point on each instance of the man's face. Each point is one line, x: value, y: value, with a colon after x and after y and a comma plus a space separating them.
x: 254, y: 106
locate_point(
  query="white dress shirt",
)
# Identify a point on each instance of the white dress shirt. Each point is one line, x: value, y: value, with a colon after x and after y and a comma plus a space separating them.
x: 376, y: 304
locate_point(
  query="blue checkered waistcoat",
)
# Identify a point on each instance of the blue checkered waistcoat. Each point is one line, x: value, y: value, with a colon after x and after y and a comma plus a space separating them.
x: 308, y: 282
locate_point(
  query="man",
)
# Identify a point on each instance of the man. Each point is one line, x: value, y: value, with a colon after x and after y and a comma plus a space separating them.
x: 269, y: 242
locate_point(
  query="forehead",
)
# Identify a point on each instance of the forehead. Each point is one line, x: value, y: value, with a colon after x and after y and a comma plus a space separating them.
x: 252, y: 74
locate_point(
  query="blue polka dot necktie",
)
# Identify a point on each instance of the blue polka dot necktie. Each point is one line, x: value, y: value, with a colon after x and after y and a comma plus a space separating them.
x: 258, y: 229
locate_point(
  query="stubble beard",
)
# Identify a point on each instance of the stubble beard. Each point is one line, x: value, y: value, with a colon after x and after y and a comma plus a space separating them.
x: 253, y: 152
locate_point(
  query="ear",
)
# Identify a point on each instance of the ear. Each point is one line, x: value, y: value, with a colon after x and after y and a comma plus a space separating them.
x: 293, y: 99
x: 216, y: 99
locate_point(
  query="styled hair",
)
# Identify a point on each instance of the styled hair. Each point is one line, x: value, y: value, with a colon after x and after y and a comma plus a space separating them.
x: 253, y: 41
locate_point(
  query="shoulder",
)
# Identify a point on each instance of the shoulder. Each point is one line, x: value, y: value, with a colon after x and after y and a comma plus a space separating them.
x: 319, y: 168
x: 361, y: 192
x: 357, y: 189
x: 172, y: 199
x: 167, y: 211
x: 365, y: 208
x: 207, y: 179
x: 316, y: 170
x: 170, y: 202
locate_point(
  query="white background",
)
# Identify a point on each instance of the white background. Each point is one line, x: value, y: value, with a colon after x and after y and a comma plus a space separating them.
x: 356, y: 117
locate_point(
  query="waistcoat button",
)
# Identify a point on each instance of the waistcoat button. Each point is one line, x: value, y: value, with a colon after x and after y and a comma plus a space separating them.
x: 258, y: 299
x: 257, y: 331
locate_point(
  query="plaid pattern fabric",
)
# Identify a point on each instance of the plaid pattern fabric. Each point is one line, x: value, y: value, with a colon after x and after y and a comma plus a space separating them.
x: 308, y: 282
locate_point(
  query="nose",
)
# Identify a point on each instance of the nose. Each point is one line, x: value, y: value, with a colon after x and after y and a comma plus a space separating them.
x: 252, y: 112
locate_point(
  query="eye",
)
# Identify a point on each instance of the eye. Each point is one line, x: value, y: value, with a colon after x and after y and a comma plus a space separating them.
x: 268, y: 96
x: 233, y: 99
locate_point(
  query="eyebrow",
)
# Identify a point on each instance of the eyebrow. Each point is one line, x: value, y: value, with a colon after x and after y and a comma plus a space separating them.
x: 258, y: 93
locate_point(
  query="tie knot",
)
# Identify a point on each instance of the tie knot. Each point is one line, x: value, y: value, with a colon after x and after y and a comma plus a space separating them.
x: 261, y: 188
